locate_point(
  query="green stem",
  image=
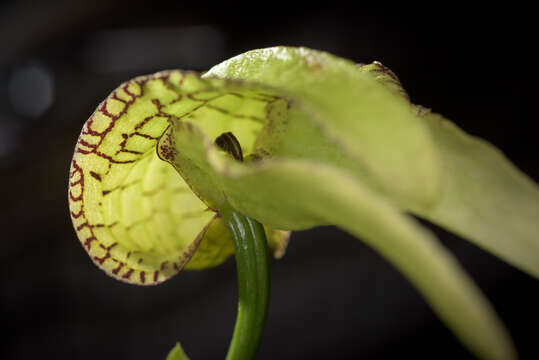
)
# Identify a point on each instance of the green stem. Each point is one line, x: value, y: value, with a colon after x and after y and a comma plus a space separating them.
x: 252, y: 264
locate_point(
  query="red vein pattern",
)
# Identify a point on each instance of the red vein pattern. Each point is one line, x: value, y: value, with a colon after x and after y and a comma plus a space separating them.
x: 116, y: 142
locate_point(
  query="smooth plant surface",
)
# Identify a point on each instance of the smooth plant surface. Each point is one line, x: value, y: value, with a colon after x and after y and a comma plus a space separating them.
x: 323, y: 141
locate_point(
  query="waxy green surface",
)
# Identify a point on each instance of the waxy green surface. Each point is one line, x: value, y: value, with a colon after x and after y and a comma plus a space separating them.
x: 324, y: 141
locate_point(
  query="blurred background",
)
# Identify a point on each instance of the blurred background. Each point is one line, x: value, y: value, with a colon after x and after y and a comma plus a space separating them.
x: 332, y: 296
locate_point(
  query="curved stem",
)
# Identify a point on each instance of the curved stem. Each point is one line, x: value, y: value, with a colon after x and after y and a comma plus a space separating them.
x: 253, y: 284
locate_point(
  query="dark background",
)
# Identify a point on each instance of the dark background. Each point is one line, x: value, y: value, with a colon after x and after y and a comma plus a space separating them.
x: 332, y: 296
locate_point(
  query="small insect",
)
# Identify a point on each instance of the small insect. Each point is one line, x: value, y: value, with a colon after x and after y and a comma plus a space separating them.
x: 228, y: 142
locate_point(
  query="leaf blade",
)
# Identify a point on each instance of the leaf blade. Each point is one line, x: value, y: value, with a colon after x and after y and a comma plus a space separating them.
x: 363, y: 118
x: 177, y: 353
x: 304, y: 193
x: 485, y: 198
x: 332, y: 196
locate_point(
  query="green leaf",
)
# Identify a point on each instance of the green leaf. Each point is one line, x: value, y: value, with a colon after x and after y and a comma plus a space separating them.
x: 330, y: 196
x: 177, y: 353
x: 392, y: 149
x: 464, y: 184
x: 485, y: 198
x: 309, y: 193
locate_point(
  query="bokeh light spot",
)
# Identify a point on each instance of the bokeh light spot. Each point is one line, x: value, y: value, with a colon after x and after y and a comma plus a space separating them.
x: 31, y: 89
